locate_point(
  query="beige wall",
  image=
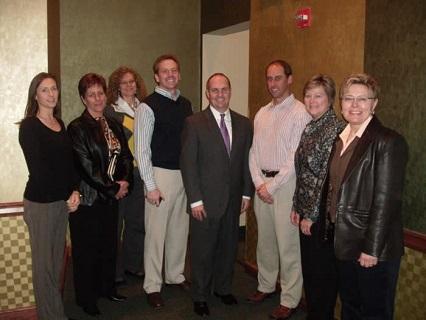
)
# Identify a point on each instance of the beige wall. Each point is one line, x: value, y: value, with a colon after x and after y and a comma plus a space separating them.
x: 228, y: 54
x: 23, y: 54
x: 98, y: 36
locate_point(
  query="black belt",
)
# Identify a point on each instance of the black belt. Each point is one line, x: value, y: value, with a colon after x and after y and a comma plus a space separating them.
x: 269, y: 174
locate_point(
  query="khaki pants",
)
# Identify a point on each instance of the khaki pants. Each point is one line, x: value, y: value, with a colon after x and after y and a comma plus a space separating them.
x: 278, y: 246
x: 166, y: 232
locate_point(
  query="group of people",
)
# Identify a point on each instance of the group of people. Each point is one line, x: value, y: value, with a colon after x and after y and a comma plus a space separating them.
x: 326, y: 192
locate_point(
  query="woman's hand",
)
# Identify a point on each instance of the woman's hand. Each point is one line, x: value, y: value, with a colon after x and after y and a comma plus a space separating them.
x: 124, y: 189
x: 294, y: 218
x: 367, y: 261
x: 305, y: 226
x: 73, y: 201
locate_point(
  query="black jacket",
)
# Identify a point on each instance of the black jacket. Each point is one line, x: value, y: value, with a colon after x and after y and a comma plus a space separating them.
x: 368, y: 217
x: 91, y: 158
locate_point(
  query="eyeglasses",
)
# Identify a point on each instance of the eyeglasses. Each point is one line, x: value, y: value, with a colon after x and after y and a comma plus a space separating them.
x: 129, y: 83
x: 359, y: 100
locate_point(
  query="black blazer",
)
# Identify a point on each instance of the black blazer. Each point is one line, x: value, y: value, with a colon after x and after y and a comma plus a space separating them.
x: 208, y: 173
x: 368, y: 217
x: 91, y: 158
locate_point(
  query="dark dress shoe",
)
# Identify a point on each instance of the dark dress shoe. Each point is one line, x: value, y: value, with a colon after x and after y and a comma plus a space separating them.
x: 154, y: 300
x: 259, y: 297
x: 185, y: 285
x: 228, y: 299
x: 282, y: 313
x: 120, y: 281
x: 92, y: 310
x: 201, y: 308
x: 116, y: 297
x: 139, y: 274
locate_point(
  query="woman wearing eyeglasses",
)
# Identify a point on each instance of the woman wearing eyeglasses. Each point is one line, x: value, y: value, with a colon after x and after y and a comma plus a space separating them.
x: 126, y: 90
x: 366, y: 177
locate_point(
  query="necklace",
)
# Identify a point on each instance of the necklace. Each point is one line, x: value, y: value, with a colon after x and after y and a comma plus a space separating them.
x: 50, y: 122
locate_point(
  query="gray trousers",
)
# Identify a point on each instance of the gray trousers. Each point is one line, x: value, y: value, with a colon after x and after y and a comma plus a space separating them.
x: 47, y: 225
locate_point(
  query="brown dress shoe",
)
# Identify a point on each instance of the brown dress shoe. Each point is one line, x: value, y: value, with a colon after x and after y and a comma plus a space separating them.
x: 154, y: 300
x: 258, y: 297
x: 281, y: 312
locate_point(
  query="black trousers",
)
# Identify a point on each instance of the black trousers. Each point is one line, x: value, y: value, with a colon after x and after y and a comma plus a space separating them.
x: 368, y: 293
x: 131, y: 226
x: 214, y: 244
x: 319, y: 274
x: 94, y: 250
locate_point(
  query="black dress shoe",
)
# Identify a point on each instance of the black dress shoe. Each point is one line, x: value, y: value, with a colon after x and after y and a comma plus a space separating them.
x: 117, y: 297
x: 139, y: 274
x: 228, y: 299
x: 92, y: 310
x: 120, y: 281
x: 185, y: 285
x: 201, y: 308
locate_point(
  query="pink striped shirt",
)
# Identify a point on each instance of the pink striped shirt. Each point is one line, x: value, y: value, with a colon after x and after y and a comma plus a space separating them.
x: 277, y: 132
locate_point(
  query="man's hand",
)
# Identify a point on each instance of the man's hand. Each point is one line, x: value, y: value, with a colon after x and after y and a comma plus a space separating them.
x: 264, y: 195
x: 199, y: 213
x: 154, y: 197
x: 294, y: 218
x: 245, y: 204
x: 367, y: 261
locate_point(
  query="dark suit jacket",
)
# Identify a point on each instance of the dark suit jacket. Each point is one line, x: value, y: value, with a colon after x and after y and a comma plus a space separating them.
x: 369, y: 205
x: 209, y: 174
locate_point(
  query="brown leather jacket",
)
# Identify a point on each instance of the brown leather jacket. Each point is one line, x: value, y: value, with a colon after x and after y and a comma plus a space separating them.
x: 368, y: 217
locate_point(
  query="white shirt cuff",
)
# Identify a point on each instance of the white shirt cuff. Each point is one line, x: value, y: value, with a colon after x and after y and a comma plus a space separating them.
x: 196, y: 204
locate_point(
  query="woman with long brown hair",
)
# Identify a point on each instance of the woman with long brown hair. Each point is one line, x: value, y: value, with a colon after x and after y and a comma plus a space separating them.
x: 51, y: 191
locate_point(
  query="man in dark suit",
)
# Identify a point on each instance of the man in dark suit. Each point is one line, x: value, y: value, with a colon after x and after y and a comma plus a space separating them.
x: 216, y: 176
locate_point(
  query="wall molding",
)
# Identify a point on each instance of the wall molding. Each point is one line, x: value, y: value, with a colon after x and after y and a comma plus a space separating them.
x: 10, y: 209
x: 27, y: 313
x: 415, y: 240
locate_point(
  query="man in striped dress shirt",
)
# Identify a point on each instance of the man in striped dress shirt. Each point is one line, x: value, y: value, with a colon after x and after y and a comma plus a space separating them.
x: 158, y: 127
x: 277, y: 130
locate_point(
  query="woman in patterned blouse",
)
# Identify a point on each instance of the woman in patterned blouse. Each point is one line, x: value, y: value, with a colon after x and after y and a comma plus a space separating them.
x: 311, y: 164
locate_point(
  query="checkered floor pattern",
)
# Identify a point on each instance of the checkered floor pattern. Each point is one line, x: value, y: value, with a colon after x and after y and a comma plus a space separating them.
x: 411, y: 293
x: 16, y: 290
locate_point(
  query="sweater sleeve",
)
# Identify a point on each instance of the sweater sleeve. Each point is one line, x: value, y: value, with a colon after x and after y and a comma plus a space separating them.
x: 30, y: 144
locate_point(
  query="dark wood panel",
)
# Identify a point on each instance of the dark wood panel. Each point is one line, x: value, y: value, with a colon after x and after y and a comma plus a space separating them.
x: 218, y: 14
